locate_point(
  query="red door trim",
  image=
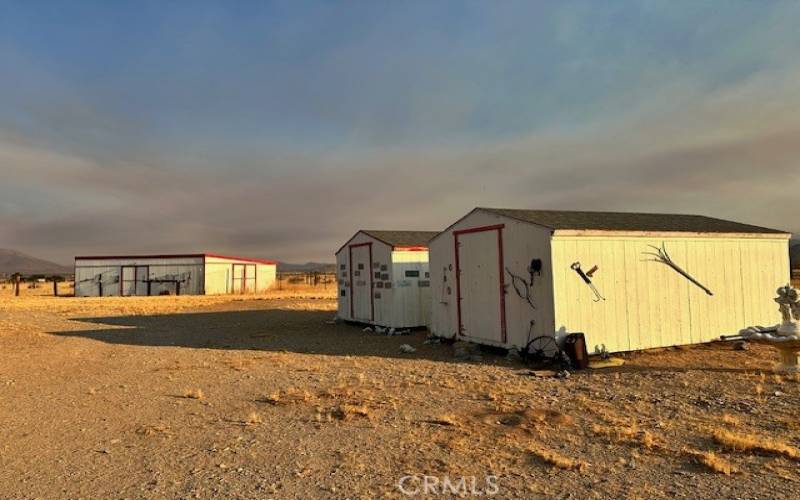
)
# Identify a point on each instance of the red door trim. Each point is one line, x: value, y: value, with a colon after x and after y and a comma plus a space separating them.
x: 352, y: 283
x: 501, y: 264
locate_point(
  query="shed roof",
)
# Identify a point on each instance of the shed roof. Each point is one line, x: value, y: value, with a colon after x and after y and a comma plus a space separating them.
x: 629, y: 221
x: 402, y: 238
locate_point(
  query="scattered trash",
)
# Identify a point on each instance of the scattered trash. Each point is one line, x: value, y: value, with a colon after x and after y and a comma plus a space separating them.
x: 542, y: 373
x: 606, y: 363
x: 741, y: 346
x: 432, y: 339
x: 563, y: 374
x: 391, y: 332
x: 514, y: 354
x: 367, y: 329
x: 378, y: 329
x: 407, y: 349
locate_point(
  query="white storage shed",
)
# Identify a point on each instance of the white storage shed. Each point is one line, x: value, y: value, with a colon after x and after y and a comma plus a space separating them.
x: 384, y: 278
x: 627, y: 281
x: 189, y: 274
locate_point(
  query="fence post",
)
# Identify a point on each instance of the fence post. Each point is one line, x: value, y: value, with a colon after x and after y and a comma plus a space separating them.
x: 55, y: 288
x: 16, y: 284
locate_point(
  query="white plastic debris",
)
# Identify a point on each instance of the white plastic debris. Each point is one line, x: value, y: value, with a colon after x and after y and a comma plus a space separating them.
x: 367, y: 329
x: 407, y: 349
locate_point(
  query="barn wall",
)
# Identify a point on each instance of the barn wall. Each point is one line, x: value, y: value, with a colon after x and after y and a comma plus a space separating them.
x: 521, y: 243
x: 88, y: 270
x: 650, y: 305
x: 219, y: 275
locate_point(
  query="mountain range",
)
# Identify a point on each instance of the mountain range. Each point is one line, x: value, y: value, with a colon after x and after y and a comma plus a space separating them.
x: 12, y: 262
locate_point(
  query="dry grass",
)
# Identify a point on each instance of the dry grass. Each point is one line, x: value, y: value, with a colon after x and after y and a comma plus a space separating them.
x: 732, y: 420
x: 712, y: 461
x: 557, y: 460
x: 254, y: 419
x: 194, y: 394
x: 753, y: 443
x: 445, y: 420
x: 627, y: 434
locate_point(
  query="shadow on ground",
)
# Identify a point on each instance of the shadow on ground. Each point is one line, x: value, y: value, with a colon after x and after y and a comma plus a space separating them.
x: 276, y: 330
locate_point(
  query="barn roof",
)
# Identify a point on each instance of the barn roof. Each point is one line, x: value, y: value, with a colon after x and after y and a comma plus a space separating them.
x: 402, y: 238
x: 629, y: 221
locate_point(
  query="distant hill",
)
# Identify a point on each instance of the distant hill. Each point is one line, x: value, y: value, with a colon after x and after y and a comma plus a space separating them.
x: 12, y: 262
x: 308, y: 267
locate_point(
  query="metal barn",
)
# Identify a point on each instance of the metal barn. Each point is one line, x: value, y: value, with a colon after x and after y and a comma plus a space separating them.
x: 627, y: 281
x: 191, y: 274
x: 384, y: 278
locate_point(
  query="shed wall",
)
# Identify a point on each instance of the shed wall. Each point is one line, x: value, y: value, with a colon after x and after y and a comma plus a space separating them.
x: 650, y: 305
x: 398, y: 301
x: 522, y: 242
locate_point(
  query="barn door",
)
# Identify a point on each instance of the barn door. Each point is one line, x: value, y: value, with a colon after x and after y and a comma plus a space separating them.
x: 480, y: 283
x: 238, y: 278
x: 128, y: 281
x: 249, y: 278
x: 134, y: 281
x: 361, y: 306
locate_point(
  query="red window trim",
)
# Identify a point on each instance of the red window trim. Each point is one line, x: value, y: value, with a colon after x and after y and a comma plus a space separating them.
x: 499, y: 228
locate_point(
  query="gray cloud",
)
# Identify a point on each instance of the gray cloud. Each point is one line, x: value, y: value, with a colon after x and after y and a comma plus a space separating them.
x: 729, y: 152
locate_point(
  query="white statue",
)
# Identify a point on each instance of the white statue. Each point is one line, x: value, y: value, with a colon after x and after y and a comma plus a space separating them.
x: 784, y: 337
x: 789, y: 306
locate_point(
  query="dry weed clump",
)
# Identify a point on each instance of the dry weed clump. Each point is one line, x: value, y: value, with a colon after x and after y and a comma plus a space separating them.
x: 448, y: 420
x: 194, y: 394
x: 342, y: 412
x: 557, y: 460
x: 254, y: 419
x: 152, y: 430
x: 753, y: 443
x: 627, y: 434
x: 287, y: 396
x: 712, y: 461
x: 732, y: 420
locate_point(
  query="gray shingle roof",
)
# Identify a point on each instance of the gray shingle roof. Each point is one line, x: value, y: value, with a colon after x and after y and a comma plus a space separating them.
x: 624, y: 221
x: 402, y: 238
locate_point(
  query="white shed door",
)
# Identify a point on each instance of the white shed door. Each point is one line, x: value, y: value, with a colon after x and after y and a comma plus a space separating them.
x: 361, y: 292
x: 128, y: 281
x: 480, y: 283
x: 238, y: 278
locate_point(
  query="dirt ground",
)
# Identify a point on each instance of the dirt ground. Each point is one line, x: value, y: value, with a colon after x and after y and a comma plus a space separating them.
x: 218, y: 397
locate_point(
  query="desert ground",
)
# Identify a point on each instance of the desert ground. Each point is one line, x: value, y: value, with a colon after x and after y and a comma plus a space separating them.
x: 265, y: 397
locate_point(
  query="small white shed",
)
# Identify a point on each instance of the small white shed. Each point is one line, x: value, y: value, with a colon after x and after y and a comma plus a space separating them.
x: 384, y: 278
x: 600, y: 273
x: 188, y: 274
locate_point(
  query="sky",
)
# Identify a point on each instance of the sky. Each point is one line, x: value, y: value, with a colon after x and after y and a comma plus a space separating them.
x: 278, y: 129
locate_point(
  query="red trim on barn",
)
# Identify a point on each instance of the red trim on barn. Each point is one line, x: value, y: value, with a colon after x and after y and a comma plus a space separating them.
x: 352, y: 283
x: 499, y: 228
x: 411, y: 249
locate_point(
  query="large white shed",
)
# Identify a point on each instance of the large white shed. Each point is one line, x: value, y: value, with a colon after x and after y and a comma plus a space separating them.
x: 631, y: 300
x: 189, y: 274
x: 384, y: 278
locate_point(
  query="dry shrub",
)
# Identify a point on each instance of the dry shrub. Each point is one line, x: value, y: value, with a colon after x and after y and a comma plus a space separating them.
x: 194, y: 394
x: 557, y: 460
x: 753, y: 443
x: 758, y: 389
x: 712, y: 461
